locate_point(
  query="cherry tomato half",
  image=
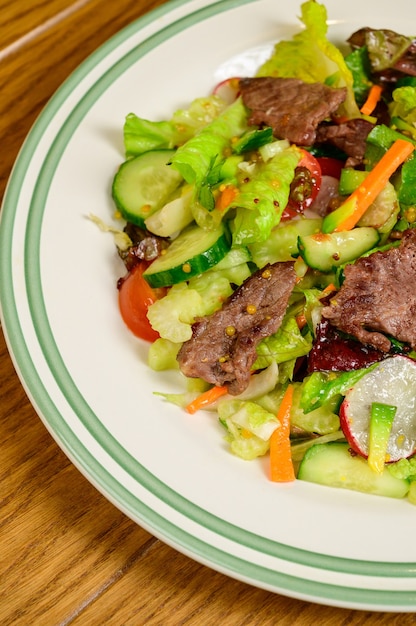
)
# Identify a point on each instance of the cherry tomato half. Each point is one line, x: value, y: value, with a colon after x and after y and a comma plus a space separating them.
x: 305, y: 185
x: 330, y: 166
x: 134, y: 298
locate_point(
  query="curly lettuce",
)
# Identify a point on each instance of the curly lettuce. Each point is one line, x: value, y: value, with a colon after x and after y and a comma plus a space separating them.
x: 285, y: 345
x: 194, y: 160
x: 403, y: 108
x: 311, y: 57
x: 262, y: 199
x: 142, y: 135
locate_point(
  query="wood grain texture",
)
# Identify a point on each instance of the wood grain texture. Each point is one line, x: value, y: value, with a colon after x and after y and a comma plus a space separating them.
x: 30, y: 75
x: 68, y: 556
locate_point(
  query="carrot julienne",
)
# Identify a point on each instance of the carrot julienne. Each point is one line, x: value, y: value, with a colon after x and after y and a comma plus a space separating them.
x: 373, y: 98
x: 350, y: 212
x: 281, y: 464
x: 206, y: 398
x: 328, y: 289
x: 227, y: 195
x: 301, y: 320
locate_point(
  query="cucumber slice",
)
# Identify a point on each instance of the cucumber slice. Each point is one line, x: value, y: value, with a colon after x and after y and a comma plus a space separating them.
x: 349, y: 180
x: 235, y: 257
x: 324, y: 252
x: 332, y: 464
x: 144, y: 184
x: 173, y: 216
x: 194, y: 251
x: 282, y: 243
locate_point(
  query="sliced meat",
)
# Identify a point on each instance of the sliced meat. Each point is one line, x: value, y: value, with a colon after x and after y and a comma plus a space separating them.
x: 378, y: 296
x: 407, y: 62
x: 291, y: 107
x: 222, y: 348
x: 350, y: 137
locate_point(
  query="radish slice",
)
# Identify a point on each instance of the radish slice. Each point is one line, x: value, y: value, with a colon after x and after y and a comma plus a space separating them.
x: 228, y: 89
x: 392, y: 382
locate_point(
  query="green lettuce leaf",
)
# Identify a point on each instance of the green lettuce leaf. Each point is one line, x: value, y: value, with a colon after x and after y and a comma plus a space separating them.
x: 262, y: 199
x: 141, y: 135
x: 198, y: 156
x: 404, y: 106
x: 320, y: 387
x: 249, y: 427
x: 311, y: 57
x: 287, y: 344
x: 359, y: 65
x: 404, y: 469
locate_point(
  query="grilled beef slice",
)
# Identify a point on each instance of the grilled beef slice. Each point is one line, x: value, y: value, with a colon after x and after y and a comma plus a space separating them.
x: 350, y: 137
x: 291, y: 107
x: 222, y: 348
x: 378, y: 296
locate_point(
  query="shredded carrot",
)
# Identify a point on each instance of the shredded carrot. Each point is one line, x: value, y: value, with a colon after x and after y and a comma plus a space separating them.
x: 301, y: 320
x: 373, y: 98
x: 328, y: 289
x: 281, y: 464
x: 227, y: 195
x: 351, y: 211
x: 206, y: 398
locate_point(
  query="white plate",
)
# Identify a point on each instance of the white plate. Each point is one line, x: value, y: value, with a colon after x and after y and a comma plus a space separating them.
x: 86, y: 375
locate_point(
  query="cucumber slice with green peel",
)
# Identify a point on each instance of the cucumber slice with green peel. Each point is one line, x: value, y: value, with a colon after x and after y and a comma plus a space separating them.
x: 235, y: 257
x: 282, y: 243
x: 349, y: 180
x: 193, y: 252
x: 144, y: 184
x: 324, y: 252
x: 333, y: 465
x: 173, y: 217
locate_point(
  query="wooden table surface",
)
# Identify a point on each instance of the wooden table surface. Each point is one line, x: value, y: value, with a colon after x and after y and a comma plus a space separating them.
x: 68, y: 556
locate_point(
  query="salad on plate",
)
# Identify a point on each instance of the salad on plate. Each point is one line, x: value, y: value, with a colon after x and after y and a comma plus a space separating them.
x: 268, y: 235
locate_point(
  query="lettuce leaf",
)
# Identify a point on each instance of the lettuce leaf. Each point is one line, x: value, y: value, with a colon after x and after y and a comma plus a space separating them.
x: 320, y: 387
x: 249, y: 427
x: 404, y: 106
x: 404, y: 469
x: 262, y: 199
x: 359, y: 65
x: 287, y: 344
x: 196, y: 158
x: 141, y: 135
x: 310, y: 57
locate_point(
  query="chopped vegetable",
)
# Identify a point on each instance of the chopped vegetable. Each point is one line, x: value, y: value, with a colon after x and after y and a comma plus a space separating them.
x: 205, y: 399
x: 349, y: 213
x: 281, y: 464
x: 134, y: 297
x: 381, y: 422
x: 373, y: 98
x: 376, y: 387
x: 332, y: 464
x: 310, y: 56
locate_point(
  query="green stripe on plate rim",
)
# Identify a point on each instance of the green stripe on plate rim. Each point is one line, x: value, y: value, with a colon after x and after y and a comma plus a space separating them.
x: 99, y: 475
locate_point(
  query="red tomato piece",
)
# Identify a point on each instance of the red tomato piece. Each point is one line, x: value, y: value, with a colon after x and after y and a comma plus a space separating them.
x: 134, y: 298
x: 330, y: 166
